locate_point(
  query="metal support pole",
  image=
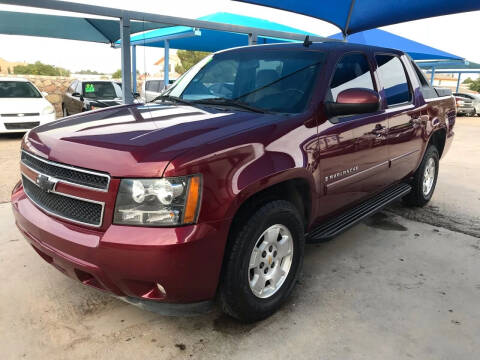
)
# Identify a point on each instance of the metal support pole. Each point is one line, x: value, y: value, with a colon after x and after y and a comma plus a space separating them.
x: 252, y: 39
x: 134, y: 68
x: 166, y: 67
x: 126, y: 60
x: 432, y: 76
x: 458, y: 81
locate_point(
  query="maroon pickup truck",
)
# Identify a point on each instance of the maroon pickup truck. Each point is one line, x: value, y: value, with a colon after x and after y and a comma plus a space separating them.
x: 211, y: 191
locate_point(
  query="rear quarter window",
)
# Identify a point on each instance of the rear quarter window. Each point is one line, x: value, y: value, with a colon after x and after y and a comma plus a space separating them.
x: 393, y: 79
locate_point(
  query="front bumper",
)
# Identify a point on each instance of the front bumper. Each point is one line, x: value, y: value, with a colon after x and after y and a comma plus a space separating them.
x: 23, y: 124
x: 128, y: 261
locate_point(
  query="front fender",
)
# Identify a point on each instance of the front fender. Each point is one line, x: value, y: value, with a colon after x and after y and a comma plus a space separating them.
x: 232, y: 175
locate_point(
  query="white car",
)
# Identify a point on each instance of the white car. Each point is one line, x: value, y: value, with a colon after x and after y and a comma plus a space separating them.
x: 152, y: 88
x: 22, y: 106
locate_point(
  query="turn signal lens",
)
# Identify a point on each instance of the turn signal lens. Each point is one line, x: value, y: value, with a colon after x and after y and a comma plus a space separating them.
x: 193, y: 198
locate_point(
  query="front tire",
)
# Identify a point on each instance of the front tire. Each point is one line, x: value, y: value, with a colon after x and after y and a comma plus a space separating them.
x: 263, y: 262
x: 425, y: 179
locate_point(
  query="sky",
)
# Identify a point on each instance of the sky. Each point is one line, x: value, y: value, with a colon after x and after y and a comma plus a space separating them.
x: 453, y: 33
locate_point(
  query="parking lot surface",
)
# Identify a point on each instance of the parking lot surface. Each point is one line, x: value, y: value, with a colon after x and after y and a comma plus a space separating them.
x: 403, y: 284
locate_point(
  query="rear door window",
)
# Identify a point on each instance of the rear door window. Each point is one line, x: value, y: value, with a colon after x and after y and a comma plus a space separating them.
x: 393, y: 79
x: 154, y: 85
x: 352, y: 71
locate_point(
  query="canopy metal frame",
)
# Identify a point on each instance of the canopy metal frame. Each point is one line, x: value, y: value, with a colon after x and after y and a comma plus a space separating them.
x: 166, y: 39
x: 437, y: 67
x: 126, y: 16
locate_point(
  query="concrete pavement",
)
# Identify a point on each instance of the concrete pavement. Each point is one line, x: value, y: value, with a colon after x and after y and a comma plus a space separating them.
x: 389, y: 288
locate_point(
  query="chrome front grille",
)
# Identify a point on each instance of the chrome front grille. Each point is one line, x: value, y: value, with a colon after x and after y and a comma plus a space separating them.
x: 40, y: 178
x: 64, y: 206
x: 69, y: 174
x: 21, y: 125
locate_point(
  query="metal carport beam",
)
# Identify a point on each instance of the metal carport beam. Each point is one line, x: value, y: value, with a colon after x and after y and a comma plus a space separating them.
x: 163, y: 19
x: 187, y: 34
x: 126, y: 60
x: 166, y: 59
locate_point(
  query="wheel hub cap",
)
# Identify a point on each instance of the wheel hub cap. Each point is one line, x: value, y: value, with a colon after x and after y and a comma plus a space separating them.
x: 270, y: 261
x: 429, y: 176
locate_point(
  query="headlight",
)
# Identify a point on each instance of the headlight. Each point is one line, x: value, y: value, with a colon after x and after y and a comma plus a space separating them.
x: 158, y: 202
x: 49, y: 109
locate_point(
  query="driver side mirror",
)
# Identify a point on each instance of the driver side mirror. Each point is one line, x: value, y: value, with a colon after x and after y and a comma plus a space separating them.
x: 77, y: 94
x: 353, y: 101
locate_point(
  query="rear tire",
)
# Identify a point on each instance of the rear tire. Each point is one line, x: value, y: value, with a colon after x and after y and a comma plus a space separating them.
x: 263, y: 262
x: 424, y: 179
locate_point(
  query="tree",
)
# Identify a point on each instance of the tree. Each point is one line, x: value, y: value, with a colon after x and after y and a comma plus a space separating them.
x: 89, y: 72
x: 39, y: 68
x: 467, y: 81
x: 188, y: 59
x: 117, y: 74
x: 475, y: 85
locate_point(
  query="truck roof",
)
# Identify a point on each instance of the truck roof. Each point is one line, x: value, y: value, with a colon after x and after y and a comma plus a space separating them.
x: 321, y: 46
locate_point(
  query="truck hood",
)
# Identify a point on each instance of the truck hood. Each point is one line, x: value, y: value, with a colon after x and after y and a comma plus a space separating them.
x: 135, y: 140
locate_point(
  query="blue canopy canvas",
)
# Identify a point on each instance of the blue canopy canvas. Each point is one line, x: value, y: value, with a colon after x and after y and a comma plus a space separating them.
x: 352, y: 16
x: 416, y: 50
x: 67, y: 27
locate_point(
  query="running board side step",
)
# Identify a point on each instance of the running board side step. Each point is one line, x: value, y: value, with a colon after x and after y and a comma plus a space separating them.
x: 335, y: 226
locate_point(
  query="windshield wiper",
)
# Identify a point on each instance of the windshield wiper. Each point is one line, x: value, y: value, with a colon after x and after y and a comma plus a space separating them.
x: 171, y: 98
x: 229, y: 102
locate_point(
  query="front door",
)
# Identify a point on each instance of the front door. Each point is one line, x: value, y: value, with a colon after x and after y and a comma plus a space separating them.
x: 353, y: 149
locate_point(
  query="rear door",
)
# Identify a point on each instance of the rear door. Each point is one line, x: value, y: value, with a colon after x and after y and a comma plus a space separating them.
x: 353, y: 149
x: 405, y: 120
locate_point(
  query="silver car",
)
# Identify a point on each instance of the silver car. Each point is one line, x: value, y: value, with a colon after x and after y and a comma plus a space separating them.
x: 475, y: 99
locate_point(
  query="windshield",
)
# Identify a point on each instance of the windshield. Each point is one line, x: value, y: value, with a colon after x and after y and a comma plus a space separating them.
x: 18, y: 89
x: 270, y: 80
x: 101, y: 90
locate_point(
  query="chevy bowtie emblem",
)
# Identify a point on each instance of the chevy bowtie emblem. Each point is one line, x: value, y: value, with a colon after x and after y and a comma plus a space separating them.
x: 20, y: 115
x: 46, y: 183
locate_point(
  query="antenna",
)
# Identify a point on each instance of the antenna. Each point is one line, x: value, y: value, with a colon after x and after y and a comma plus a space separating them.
x: 307, y: 42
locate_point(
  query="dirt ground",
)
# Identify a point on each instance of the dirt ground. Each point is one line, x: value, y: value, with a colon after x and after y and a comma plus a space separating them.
x: 401, y: 285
